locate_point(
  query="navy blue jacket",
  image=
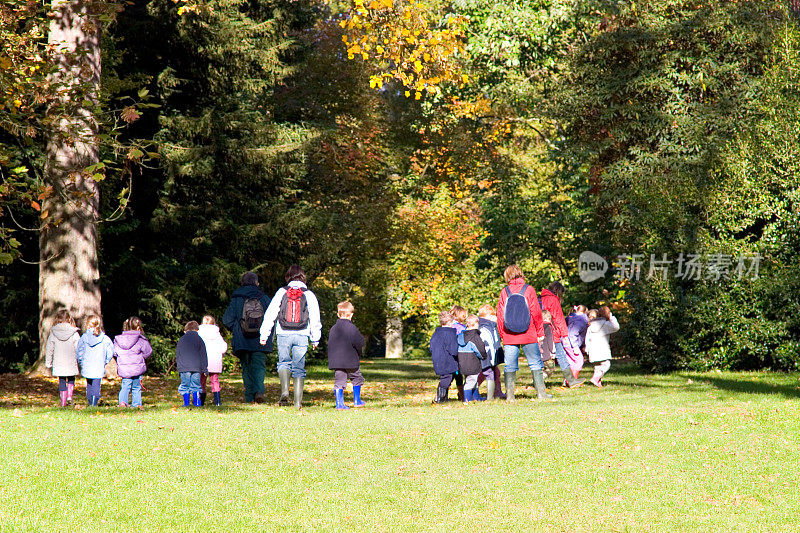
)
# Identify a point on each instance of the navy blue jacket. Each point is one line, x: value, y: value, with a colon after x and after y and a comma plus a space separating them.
x: 345, y: 343
x: 444, y: 351
x: 190, y: 354
x: 233, y: 317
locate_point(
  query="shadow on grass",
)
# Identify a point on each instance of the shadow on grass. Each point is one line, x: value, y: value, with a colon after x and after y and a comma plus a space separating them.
x: 750, y: 386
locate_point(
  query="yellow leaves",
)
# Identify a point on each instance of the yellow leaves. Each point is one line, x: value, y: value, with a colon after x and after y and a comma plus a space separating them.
x: 417, y: 95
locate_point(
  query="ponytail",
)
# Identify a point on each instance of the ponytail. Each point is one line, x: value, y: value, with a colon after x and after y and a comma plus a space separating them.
x: 95, y: 323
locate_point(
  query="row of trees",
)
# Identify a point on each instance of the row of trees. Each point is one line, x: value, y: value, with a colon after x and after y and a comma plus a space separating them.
x: 404, y: 153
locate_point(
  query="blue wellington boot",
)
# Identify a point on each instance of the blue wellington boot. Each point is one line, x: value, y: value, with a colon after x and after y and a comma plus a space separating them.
x: 467, y: 396
x: 339, y: 395
x: 476, y: 395
x: 218, y: 398
x: 94, y: 400
x: 357, y: 401
x: 196, y: 399
x: 187, y: 399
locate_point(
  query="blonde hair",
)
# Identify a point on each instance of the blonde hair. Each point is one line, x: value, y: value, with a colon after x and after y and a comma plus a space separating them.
x: 93, y: 322
x: 459, y: 313
x: 512, y: 272
x: 344, y: 308
x: 62, y: 317
x: 546, y: 315
x: 208, y: 319
x: 485, y: 310
x: 472, y: 321
x: 133, y: 323
x: 445, y: 318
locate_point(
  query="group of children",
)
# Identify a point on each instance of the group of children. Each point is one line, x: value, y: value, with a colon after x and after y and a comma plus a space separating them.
x: 68, y: 353
x: 467, y: 348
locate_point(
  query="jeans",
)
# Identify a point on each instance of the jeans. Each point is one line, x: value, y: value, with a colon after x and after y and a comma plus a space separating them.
x: 190, y: 382
x: 92, y: 387
x: 254, y: 368
x: 561, y: 356
x: 532, y: 354
x: 292, y: 350
x: 131, y: 385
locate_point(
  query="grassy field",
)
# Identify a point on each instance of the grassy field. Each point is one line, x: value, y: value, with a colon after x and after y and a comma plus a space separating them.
x: 677, y: 452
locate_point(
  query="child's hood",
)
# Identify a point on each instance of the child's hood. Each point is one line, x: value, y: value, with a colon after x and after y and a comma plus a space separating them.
x: 63, y: 331
x: 128, y: 339
x: 93, y: 340
x: 595, y: 326
x: 209, y: 330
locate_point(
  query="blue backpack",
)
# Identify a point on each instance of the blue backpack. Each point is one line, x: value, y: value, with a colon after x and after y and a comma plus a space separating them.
x: 517, y: 314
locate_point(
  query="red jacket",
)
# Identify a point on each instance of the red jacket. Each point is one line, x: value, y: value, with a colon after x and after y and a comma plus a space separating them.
x: 551, y: 303
x: 535, y: 330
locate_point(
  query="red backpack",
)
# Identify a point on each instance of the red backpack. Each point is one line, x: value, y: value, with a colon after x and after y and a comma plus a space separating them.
x: 294, y: 309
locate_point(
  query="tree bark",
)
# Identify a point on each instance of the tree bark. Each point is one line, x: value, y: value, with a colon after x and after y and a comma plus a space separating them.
x: 68, y: 271
x: 394, y: 328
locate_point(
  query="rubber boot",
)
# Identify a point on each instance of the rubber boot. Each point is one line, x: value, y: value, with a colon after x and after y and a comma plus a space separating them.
x: 203, y: 397
x: 357, y: 401
x: 94, y: 400
x: 70, y: 391
x: 298, y: 392
x: 498, y: 389
x: 63, y: 396
x: 541, y: 389
x: 187, y: 399
x: 467, y: 396
x: 476, y: 395
x: 441, y: 395
x: 490, y: 390
x: 339, y: 395
x: 196, y: 399
x: 511, y: 385
x: 571, y: 380
x: 218, y: 398
x: 284, y: 375
x: 460, y: 392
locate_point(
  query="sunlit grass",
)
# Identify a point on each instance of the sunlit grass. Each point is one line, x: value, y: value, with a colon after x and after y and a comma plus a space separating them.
x: 677, y: 452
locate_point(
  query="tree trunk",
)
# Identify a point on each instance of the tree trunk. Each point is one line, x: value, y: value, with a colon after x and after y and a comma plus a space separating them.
x: 68, y: 272
x: 394, y: 328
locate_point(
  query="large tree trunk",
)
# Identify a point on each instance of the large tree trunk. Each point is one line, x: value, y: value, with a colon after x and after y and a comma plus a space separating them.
x: 68, y: 273
x: 394, y: 328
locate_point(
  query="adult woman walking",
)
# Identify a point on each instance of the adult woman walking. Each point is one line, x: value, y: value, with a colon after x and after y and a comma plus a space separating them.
x: 519, y: 320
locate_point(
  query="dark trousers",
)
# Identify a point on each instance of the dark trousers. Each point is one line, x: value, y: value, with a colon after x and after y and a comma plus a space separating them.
x: 341, y: 375
x: 63, y: 380
x: 445, y: 380
x: 92, y: 387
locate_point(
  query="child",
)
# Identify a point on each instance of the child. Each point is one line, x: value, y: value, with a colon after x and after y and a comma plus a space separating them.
x: 192, y: 360
x: 473, y: 360
x: 459, y: 318
x: 576, y: 337
x: 131, y: 348
x: 60, y: 354
x: 546, y: 345
x: 94, y: 351
x: 215, y: 350
x: 444, y: 352
x: 601, y: 325
x: 345, y: 343
x: 487, y: 325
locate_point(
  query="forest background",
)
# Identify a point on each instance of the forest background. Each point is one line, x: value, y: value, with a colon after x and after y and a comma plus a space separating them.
x: 405, y: 153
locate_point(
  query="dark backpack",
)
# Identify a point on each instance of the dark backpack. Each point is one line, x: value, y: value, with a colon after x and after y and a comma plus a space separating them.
x: 294, y: 309
x: 517, y: 314
x: 252, y: 317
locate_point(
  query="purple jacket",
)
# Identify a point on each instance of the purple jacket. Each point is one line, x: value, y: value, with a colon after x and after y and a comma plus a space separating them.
x: 576, y: 328
x: 131, y: 348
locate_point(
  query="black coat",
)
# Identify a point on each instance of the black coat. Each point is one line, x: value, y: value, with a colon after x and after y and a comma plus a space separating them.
x: 345, y: 343
x: 190, y: 354
x: 233, y: 317
x: 444, y: 350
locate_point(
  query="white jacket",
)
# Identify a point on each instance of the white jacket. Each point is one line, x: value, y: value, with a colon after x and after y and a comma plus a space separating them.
x: 314, y: 328
x: 597, y: 335
x: 215, y: 346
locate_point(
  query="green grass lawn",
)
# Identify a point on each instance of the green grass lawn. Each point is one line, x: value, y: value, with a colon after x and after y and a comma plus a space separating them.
x: 678, y: 452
